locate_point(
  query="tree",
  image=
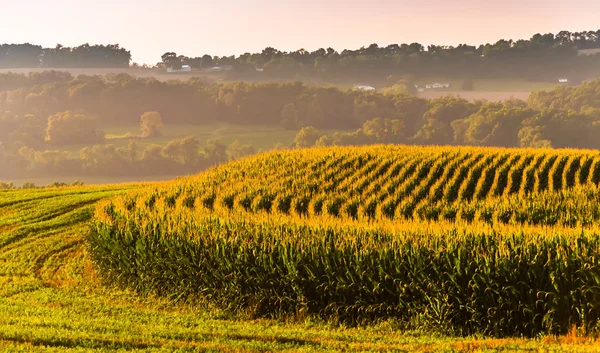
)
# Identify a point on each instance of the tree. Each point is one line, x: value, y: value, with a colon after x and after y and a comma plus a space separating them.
x: 215, y: 152
x: 237, y: 150
x: 6, y: 186
x: 468, y: 85
x: 171, y: 60
x: 400, y: 87
x: 132, y: 151
x: 384, y: 130
x: 72, y: 128
x: 433, y: 133
x: 307, y: 137
x: 289, y: 117
x: 323, y: 141
x: 206, y: 62
x: 530, y: 136
x: 150, y: 122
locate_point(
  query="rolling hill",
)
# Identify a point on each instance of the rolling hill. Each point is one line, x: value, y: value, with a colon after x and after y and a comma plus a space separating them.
x: 485, y: 236
x: 56, y: 295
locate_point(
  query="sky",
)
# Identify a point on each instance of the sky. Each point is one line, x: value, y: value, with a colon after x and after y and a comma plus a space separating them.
x: 149, y: 28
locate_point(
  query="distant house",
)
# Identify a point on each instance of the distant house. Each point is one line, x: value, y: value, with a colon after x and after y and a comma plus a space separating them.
x: 438, y: 85
x: 563, y: 80
x: 364, y: 87
x: 184, y: 68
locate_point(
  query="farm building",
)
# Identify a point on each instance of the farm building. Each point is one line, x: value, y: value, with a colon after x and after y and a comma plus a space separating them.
x: 438, y: 85
x: 221, y: 68
x: 184, y: 68
x: 364, y: 87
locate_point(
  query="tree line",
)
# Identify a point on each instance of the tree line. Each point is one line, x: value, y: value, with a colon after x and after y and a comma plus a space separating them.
x: 542, y: 57
x: 42, y: 113
x: 83, y: 56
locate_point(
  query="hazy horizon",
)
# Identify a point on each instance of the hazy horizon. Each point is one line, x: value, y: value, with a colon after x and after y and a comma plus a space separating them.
x: 239, y: 26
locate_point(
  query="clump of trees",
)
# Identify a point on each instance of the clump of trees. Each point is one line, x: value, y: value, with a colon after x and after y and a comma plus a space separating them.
x: 40, y: 114
x: 150, y: 123
x: 68, y: 127
x: 6, y: 185
x: 306, y: 137
x: 31, y: 185
x: 83, y: 56
x: 540, y: 123
x: 178, y: 157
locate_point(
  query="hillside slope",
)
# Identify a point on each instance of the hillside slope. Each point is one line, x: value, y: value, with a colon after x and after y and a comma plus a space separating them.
x: 379, y: 183
x: 473, y: 240
x: 52, y: 300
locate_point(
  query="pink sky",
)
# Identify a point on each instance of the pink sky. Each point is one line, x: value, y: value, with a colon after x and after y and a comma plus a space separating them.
x: 149, y: 28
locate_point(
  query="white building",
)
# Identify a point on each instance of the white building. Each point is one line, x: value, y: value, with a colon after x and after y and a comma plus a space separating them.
x: 364, y: 87
x: 438, y: 85
x: 184, y: 68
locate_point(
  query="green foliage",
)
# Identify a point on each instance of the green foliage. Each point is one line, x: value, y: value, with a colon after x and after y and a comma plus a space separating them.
x: 72, y: 128
x: 307, y: 137
x: 88, y: 56
x: 541, y: 57
x: 28, y: 185
x: 289, y: 117
x: 236, y: 150
x: 6, y: 185
x: 150, y: 123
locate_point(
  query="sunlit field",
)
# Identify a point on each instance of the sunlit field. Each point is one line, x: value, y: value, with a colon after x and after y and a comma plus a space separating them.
x: 57, y: 296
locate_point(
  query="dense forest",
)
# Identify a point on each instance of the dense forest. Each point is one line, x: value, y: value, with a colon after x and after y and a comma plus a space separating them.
x: 84, y: 56
x: 542, y: 57
x: 42, y: 113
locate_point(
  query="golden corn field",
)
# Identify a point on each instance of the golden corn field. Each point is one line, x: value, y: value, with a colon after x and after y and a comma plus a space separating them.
x: 472, y: 240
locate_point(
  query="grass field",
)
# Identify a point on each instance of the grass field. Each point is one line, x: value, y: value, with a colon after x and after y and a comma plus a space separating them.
x: 53, y: 300
x: 262, y: 138
x: 488, y: 89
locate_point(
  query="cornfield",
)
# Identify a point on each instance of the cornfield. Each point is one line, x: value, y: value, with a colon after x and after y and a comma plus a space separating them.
x: 472, y: 240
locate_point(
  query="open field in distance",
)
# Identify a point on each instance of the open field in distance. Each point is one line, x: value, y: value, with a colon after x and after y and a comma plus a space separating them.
x: 491, y: 89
